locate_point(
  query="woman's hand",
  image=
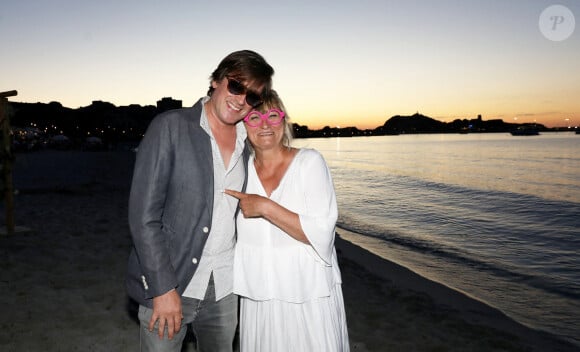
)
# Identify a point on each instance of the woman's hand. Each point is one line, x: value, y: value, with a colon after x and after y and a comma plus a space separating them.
x: 251, y: 205
x: 254, y: 206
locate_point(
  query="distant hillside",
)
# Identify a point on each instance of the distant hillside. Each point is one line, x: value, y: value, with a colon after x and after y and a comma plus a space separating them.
x: 419, y: 123
x: 416, y: 123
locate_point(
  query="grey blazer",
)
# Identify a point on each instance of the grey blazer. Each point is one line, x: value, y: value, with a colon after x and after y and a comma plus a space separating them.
x: 170, y: 204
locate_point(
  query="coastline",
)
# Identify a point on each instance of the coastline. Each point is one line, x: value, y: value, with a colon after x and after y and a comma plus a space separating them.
x: 408, y: 312
x: 62, y: 278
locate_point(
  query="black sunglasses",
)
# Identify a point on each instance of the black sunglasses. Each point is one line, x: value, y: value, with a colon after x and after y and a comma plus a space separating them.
x: 237, y: 88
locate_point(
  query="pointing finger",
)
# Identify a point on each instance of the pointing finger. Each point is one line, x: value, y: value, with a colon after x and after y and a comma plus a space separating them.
x: 233, y: 193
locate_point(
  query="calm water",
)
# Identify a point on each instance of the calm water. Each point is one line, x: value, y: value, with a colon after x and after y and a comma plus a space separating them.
x: 492, y: 215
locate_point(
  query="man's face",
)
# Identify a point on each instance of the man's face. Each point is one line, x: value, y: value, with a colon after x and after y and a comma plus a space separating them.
x: 230, y: 105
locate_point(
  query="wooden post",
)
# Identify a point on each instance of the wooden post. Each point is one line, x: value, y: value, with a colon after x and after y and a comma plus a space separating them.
x: 7, y: 159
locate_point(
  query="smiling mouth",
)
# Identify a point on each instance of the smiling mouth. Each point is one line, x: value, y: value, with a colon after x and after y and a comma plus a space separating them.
x: 235, y: 108
x: 266, y: 134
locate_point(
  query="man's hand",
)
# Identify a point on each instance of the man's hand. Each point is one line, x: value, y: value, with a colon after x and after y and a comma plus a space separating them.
x: 167, y: 309
x: 251, y: 205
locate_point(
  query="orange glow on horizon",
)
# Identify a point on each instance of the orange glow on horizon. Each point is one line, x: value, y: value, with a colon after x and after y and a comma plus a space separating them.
x: 549, y: 121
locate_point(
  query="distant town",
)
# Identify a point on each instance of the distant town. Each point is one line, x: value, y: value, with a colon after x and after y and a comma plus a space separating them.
x: 103, y: 125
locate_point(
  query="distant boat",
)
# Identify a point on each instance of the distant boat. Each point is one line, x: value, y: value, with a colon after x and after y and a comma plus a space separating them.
x: 525, y: 131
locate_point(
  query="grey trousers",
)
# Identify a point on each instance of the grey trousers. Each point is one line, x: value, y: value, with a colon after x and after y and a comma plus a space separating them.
x: 213, y: 323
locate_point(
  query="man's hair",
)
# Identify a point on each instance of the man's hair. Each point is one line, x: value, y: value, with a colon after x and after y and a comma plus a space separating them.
x: 246, y: 66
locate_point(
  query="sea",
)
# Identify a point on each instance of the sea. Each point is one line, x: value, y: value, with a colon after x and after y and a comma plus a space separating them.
x: 492, y: 215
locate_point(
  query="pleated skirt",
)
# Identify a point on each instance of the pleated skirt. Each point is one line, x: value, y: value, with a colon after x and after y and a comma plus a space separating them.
x: 318, y: 325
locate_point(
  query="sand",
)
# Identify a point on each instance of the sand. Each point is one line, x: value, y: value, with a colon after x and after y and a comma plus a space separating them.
x: 62, y: 275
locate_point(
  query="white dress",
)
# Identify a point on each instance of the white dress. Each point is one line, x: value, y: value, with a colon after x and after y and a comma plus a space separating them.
x: 291, y: 296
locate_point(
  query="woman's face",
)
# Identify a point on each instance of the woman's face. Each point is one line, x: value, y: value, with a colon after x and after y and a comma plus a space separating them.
x: 265, y: 130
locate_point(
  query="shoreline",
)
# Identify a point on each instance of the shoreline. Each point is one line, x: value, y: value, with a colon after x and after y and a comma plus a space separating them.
x: 442, y: 308
x: 62, y: 280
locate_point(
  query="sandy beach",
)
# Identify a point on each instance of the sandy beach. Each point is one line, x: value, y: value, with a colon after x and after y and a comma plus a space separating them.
x: 62, y: 275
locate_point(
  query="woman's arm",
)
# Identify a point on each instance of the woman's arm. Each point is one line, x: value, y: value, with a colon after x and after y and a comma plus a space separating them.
x: 255, y: 206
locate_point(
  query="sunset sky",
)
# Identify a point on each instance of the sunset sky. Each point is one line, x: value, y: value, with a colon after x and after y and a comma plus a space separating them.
x: 337, y: 63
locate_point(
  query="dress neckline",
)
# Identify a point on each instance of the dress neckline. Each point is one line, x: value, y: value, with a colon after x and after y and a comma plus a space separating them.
x: 290, y: 166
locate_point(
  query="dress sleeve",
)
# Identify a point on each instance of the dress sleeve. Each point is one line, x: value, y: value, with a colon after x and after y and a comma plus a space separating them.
x: 319, y: 220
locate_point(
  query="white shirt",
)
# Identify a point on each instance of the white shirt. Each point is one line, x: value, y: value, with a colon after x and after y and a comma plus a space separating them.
x: 268, y: 263
x: 218, y: 253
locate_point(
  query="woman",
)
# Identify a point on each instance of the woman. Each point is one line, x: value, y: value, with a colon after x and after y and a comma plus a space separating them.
x: 285, y: 266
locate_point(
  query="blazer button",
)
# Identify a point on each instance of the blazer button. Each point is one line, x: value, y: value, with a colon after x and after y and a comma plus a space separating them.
x: 145, y: 286
x: 194, y: 260
x: 205, y: 229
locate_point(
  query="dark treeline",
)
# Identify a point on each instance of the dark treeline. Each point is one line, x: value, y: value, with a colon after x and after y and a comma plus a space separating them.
x: 127, y: 124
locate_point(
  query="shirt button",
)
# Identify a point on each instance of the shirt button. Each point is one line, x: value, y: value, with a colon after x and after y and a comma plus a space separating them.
x: 194, y: 260
x: 205, y: 229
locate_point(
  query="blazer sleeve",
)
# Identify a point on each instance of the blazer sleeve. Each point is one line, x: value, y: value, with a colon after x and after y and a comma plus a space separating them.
x: 151, y: 176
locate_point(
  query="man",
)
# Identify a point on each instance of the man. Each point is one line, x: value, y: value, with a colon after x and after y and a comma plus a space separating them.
x: 182, y: 224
